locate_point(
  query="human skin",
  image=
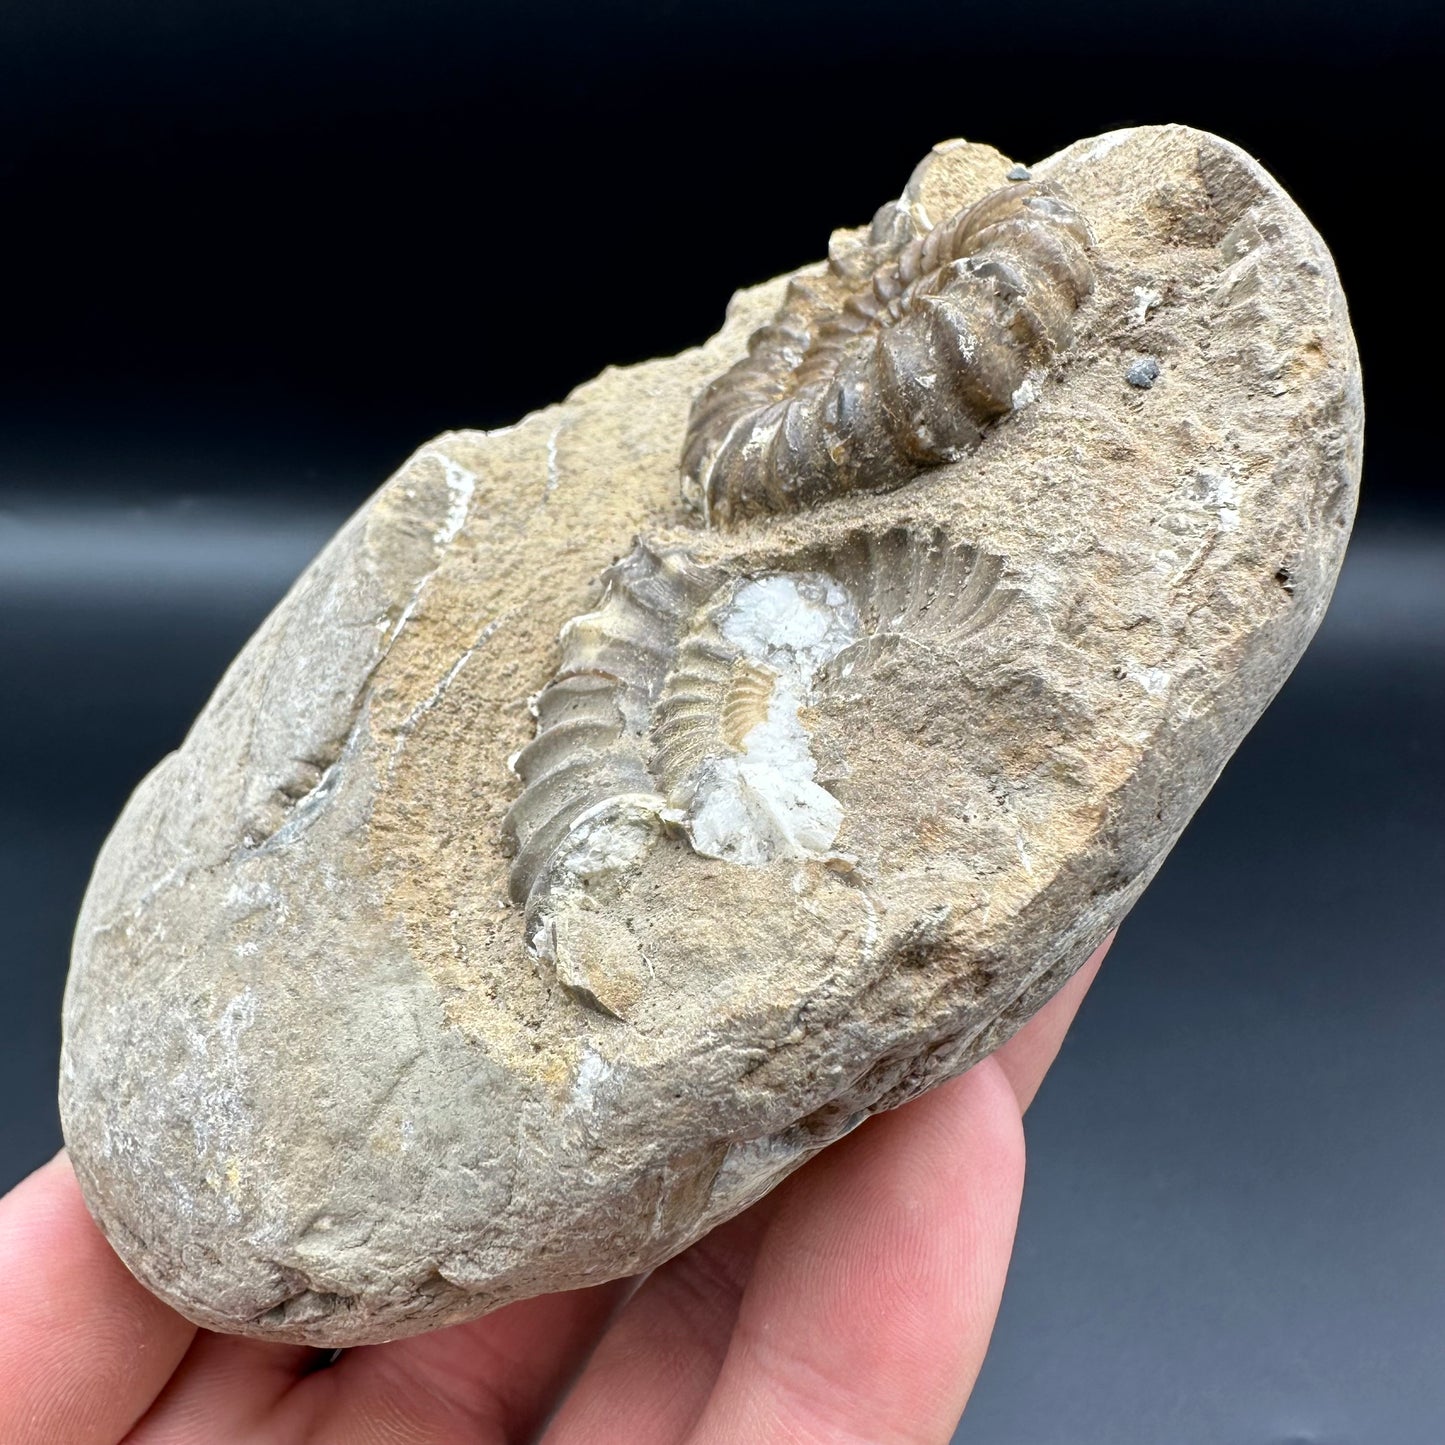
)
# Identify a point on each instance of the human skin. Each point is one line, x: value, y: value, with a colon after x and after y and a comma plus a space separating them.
x: 853, y: 1304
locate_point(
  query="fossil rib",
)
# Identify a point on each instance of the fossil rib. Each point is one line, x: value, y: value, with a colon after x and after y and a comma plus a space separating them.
x: 892, y: 363
x: 593, y: 717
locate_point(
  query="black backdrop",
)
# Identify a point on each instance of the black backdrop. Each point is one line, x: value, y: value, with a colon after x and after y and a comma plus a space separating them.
x: 257, y: 252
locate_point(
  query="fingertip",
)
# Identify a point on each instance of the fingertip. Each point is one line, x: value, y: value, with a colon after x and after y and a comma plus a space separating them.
x: 981, y: 1109
x: 1028, y: 1055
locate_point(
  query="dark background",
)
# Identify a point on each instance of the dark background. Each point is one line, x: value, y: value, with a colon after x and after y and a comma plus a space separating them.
x: 255, y: 253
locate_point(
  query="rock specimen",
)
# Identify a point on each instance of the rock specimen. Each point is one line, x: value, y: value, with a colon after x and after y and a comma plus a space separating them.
x: 902, y: 628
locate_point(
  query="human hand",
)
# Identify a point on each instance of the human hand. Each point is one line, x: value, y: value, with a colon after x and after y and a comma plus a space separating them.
x: 853, y: 1304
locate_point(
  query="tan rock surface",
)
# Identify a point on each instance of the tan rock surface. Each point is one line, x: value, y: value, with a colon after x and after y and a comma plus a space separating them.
x: 313, y: 1084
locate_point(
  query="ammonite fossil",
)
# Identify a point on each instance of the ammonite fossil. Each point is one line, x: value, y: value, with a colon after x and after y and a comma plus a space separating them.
x: 893, y: 360
x: 679, y: 704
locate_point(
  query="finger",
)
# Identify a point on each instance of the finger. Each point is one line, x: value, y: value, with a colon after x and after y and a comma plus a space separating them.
x: 84, y: 1347
x: 1026, y: 1057
x: 225, y: 1388
x: 651, y: 1374
x: 875, y: 1289
x: 495, y: 1378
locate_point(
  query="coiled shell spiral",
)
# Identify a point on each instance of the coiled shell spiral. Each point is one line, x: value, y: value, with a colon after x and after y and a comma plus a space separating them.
x: 894, y: 359
x: 680, y: 702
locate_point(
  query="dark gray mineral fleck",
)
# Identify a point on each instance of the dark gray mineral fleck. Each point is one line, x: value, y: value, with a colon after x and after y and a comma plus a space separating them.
x: 1143, y: 373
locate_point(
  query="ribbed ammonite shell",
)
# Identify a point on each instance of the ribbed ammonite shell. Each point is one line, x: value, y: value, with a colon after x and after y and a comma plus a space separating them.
x: 680, y: 704
x: 894, y: 359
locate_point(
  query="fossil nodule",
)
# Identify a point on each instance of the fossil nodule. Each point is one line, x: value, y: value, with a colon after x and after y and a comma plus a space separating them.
x: 448, y: 963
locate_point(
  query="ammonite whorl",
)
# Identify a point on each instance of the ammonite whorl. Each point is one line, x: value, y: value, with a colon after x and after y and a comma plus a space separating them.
x: 679, y: 701
x: 893, y: 360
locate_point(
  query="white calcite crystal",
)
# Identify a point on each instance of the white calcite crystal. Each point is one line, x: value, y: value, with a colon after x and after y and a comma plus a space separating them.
x: 762, y: 802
